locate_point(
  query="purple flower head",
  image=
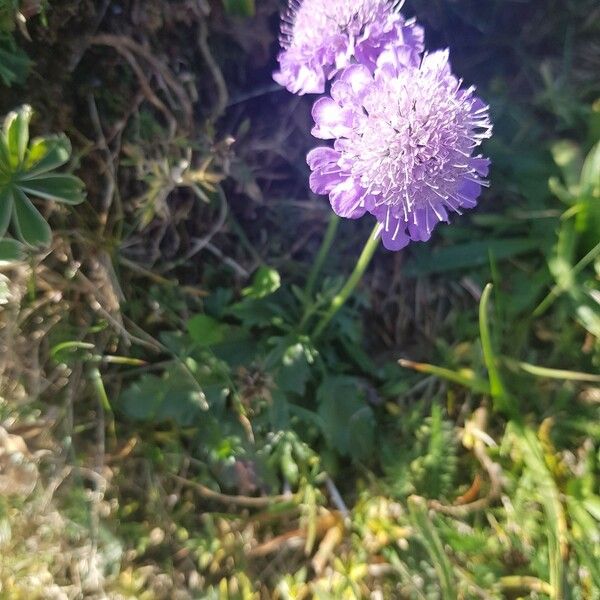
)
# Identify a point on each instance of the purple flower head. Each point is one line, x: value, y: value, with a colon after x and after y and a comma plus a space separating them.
x: 321, y: 37
x: 404, y: 138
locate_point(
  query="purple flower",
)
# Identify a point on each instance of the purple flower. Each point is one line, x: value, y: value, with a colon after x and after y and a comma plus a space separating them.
x: 321, y: 37
x: 404, y: 141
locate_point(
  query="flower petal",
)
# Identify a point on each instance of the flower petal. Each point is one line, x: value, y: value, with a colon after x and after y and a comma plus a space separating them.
x: 331, y: 120
x: 358, y: 77
x: 480, y: 164
x: 394, y: 235
x: 346, y: 199
x: 299, y: 76
x: 326, y: 173
x: 468, y: 193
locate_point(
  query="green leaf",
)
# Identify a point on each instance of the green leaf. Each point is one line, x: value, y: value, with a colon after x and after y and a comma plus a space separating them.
x: 14, y: 64
x: 348, y: 421
x: 265, y: 282
x: 567, y: 156
x: 467, y: 255
x: 254, y: 312
x: 16, y: 130
x: 29, y: 224
x: 11, y: 250
x: 587, y: 312
x: 464, y: 377
x: 592, y: 505
x: 206, y: 331
x: 497, y: 389
x: 240, y: 8
x: 590, y: 173
x: 46, y: 154
x: 6, y: 205
x: 172, y: 397
x: 61, y: 188
x: 295, y: 370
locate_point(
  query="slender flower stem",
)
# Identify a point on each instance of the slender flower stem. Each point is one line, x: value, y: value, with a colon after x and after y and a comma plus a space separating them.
x: 340, y: 299
x: 326, y: 244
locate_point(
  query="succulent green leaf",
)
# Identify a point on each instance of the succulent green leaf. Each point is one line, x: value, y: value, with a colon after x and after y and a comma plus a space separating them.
x: 46, y: 154
x: 11, y: 250
x: 5, y: 168
x: 61, y: 188
x: 29, y: 224
x: 16, y: 130
x: 6, y: 204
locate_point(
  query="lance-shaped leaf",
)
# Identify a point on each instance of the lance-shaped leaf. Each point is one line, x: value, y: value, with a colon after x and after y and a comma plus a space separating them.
x: 30, y: 226
x: 11, y: 250
x: 46, y: 154
x: 61, y: 188
x: 6, y: 205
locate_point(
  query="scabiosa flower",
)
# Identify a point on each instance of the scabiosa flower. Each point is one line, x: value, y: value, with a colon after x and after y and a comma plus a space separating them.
x: 404, y: 141
x: 320, y: 37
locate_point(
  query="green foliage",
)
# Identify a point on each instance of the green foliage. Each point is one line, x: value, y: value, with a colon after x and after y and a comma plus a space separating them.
x: 171, y: 397
x: 424, y: 461
x: 578, y: 245
x: 26, y: 172
x: 14, y: 63
x: 347, y: 419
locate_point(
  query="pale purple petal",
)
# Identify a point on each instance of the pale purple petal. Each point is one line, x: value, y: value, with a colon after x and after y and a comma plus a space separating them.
x: 321, y: 37
x: 326, y: 173
x: 468, y: 193
x: 393, y: 236
x: 346, y: 199
x: 331, y: 120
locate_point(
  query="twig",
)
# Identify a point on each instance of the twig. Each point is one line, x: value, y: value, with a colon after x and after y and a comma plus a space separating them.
x: 518, y: 583
x: 79, y: 52
x: 140, y: 270
x: 121, y: 43
x: 215, y: 71
x: 110, y: 190
x: 228, y: 261
x: 245, y: 501
x: 147, y: 88
x: 336, y: 497
x: 200, y: 243
x: 96, y: 306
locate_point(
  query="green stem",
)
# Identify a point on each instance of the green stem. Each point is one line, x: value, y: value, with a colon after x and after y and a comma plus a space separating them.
x: 104, y: 402
x: 326, y: 244
x: 340, y: 299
